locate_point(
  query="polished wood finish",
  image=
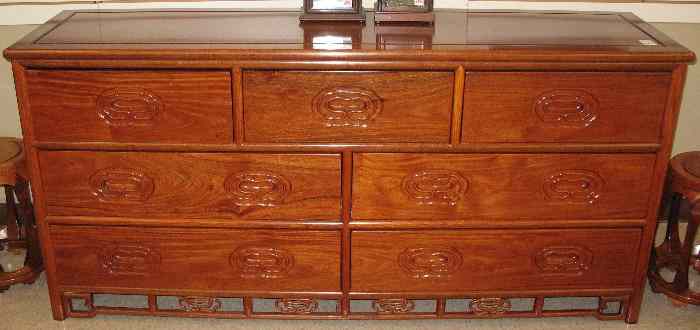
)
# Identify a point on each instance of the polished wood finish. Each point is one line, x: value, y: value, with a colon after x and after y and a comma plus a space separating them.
x: 673, y: 254
x: 172, y: 259
x: 187, y: 185
x: 453, y: 186
x: 20, y: 229
x: 131, y: 106
x: 464, y: 261
x: 564, y: 106
x: 543, y: 135
x: 337, y: 107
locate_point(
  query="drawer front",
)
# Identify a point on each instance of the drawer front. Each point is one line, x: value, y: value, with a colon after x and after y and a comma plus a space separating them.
x: 564, y: 107
x: 464, y: 260
x: 192, y: 185
x: 197, y: 259
x: 131, y: 106
x: 510, y: 186
x: 313, y: 106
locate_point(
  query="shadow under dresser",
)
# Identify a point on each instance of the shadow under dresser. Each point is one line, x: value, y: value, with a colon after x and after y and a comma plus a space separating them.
x: 237, y: 164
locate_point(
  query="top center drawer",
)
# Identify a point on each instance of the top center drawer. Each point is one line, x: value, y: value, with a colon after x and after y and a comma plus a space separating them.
x: 347, y: 106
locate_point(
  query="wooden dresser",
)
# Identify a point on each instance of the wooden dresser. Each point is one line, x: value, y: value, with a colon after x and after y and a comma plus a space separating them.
x: 239, y: 165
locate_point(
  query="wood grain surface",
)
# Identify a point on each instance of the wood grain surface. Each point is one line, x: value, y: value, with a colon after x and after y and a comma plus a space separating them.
x: 131, y: 106
x: 192, y: 185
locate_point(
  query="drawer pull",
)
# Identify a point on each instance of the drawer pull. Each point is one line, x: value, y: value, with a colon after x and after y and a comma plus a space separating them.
x: 435, y: 187
x: 262, y: 262
x: 347, y: 106
x: 573, y: 260
x: 126, y: 107
x: 430, y: 262
x: 393, y: 306
x: 574, y: 186
x: 129, y: 259
x: 199, y: 304
x: 489, y: 306
x: 257, y: 188
x: 296, y: 306
x: 121, y: 185
x: 567, y: 107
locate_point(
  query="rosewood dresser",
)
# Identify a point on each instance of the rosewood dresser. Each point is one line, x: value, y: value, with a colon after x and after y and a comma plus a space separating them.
x: 239, y: 165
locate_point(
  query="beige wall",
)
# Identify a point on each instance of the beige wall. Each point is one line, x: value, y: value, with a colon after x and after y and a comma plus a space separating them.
x: 687, y: 138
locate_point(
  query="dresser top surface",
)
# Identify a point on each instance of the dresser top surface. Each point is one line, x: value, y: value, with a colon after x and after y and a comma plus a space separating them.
x: 454, y: 31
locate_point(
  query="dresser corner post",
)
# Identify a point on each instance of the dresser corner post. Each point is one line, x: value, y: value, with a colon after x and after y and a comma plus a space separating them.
x: 663, y: 155
x: 19, y: 73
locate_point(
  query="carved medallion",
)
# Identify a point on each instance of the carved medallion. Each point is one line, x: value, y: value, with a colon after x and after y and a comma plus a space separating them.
x: 347, y: 106
x: 435, y: 187
x: 489, y: 306
x: 430, y: 262
x: 199, y: 304
x: 296, y: 305
x: 257, y: 188
x: 128, y: 107
x: 393, y: 306
x: 128, y: 259
x: 572, y: 260
x: 574, y: 186
x: 262, y: 262
x: 117, y: 185
x: 567, y: 108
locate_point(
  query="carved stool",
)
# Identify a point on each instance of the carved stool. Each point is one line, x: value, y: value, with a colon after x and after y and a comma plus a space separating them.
x: 20, y: 231
x: 684, y: 184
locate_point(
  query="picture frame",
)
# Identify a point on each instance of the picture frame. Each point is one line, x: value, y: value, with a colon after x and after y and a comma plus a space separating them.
x: 420, y: 11
x: 332, y: 10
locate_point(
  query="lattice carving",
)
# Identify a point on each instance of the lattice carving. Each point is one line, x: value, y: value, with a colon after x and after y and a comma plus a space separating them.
x: 393, y: 306
x: 199, y: 304
x: 129, y: 259
x: 262, y: 262
x: 490, y: 306
x: 574, y: 186
x: 347, y: 106
x: 257, y: 188
x: 296, y: 305
x: 430, y: 262
x: 435, y: 186
x: 572, y: 260
x: 128, y: 107
x: 121, y: 185
x: 567, y: 108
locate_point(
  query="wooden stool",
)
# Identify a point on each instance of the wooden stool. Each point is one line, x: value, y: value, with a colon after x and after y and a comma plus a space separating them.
x: 684, y: 184
x: 21, y: 227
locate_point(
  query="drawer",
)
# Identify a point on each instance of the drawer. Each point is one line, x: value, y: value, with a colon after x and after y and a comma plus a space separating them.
x: 508, y: 186
x: 131, y: 106
x: 192, y: 185
x: 357, y: 106
x: 601, y: 107
x: 197, y: 259
x: 474, y: 260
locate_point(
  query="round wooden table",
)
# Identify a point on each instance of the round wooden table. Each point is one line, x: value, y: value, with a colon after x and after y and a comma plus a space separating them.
x: 673, y: 254
x: 20, y: 231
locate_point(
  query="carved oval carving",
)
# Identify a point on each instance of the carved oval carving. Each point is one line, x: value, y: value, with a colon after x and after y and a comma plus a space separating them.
x: 128, y: 106
x: 347, y: 106
x: 296, y: 305
x: 490, y: 306
x: 430, y: 262
x: 435, y: 187
x: 257, y: 188
x: 262, y: 262
x: 393, y: 306
x: 567, y: 108
x: 199, y: 304
x: 572, y: 260
x: 121, y: 185
x: 574, y: 186
x: 128, y: 259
